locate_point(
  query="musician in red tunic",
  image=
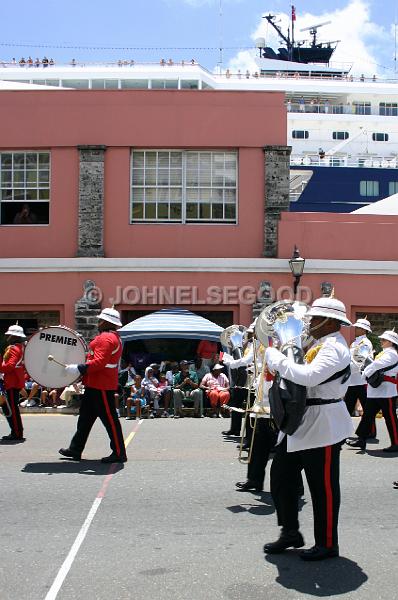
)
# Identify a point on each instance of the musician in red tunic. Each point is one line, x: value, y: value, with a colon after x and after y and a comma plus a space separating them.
x: 100, y: 378
x: 14, y: 378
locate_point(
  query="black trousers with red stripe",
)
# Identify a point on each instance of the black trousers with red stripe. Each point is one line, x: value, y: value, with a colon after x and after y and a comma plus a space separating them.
x: 322, y: 470
x: 98, y: 403
x: 15, y: 421
x: 388, y: 408
x: 354, y: 393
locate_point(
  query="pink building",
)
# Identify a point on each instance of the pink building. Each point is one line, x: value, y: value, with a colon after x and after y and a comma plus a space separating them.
x: 167, y: 197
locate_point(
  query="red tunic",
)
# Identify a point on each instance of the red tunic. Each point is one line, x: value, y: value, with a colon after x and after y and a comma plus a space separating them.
x: 102, y: 361
x: 13, y: 367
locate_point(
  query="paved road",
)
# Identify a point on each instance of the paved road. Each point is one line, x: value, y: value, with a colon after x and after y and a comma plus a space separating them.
x: 170, y: 525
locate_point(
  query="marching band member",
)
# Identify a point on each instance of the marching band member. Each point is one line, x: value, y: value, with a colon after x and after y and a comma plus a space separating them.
x: 264, y: 435
x: 357, y: 382
x: 316, y: 442
x: 100, y: 379
x: 14, y: 379
x: 384, y: 396
x: 238, y: 369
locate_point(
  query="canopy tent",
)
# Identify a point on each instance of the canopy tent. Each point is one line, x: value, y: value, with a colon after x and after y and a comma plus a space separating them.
x: 387, y: 206
x: 172, y: 323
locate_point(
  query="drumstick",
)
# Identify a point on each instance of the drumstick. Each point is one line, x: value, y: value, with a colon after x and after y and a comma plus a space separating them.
x: 51, y: 358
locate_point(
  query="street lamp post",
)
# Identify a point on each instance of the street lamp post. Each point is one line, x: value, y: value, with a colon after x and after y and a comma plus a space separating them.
x: 296, y: 264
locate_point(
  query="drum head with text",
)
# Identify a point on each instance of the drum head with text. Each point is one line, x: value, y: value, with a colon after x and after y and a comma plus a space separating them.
x: 64, y: 344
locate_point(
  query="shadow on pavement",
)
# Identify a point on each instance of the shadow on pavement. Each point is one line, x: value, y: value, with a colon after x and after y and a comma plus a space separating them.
x: 324, y: 578
x: 85, y: 467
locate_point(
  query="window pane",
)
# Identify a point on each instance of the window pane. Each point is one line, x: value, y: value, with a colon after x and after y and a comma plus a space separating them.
x: 136, y: 84
x: 44, y: 194
x: 31, y: 161
x: 77, y: 84
x: 204, y: 212
x: 189, y: 84
x: 138, y: 176
x: 230, y: 211
x: 150, y: 160
x: 19, y: 179
x: 6, y: 161
x: 150, y: 210
x: 216, y: 210
x: 138, y: 194
x: 138, y: 211
x: 44, y: 160
x: 192, y: 210
x: 175, y: 211
x: 31, y: 195
x: 163, y: 211
x: 6, y: 178
x: 19, y: 161
x: 163, y: 177
x: 111, y: 84
x: 31, y: 179
x: 150, y: 177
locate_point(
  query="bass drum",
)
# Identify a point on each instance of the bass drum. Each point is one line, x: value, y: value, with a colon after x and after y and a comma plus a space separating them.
x: 65, y: 345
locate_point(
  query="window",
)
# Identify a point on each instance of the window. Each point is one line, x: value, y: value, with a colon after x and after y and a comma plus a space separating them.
x: 77, y: 84
x: 134, y: 84
x: 341, y: 135
x: 388, y: 109
x: 24, y: 188
x: 164, y: 84
x: 171, y: 186
x: 392, y: 187
x: 369, y: 188
x: 192, y: 84
x: 380, y: 137
x: 298, y: 134
x: 361, y: 108
x: 104, y: 84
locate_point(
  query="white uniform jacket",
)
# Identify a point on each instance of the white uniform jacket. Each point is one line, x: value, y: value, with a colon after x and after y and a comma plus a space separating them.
x: 358, y: 378
x: 322, y: 425
x: 387, y: 389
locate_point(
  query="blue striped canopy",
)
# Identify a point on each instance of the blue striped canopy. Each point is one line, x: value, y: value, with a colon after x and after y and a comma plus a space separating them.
x: 171, y: 323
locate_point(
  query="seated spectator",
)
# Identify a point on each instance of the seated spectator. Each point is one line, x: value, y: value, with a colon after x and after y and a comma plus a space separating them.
x: 200, y: 368
x: 48, y: 397
x: 69, y: 394
x: 150, y: 387
x: 207, y: 351
x: 25, y: 216
x: 186, y: 386
x: 164, y: 391
x: 173, y: 369
x: 136, y: 400
x: 216, y: 387
x: 30, y: 393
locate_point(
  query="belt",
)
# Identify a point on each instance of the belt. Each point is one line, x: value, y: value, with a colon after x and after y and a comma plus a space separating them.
x: 110, y: 366
x: 321, y: 401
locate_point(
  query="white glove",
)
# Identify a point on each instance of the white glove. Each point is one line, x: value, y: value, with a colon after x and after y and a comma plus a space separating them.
x: 273, y: 358
x: 72, y: 370
x: 227, y: 358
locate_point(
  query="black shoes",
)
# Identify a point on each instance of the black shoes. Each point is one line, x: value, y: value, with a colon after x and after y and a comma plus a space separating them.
x: 319, y: 553
x: 288, y: 539
x: 70, y: 454
x: 393, y: 448
x: 248, y: 486
x: 359, y: 443
x: 230, y: 432
x: 114, y: 458
x: 12, y: 438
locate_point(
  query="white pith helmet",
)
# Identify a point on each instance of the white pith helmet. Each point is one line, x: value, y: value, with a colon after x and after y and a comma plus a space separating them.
x: 111, y: 315
x: 363, y: 324
x: 329, y: 308
x: 391, y: 336
x: 16, y: 330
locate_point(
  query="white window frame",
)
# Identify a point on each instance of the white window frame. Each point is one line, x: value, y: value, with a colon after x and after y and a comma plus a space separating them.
x: 185, y: 189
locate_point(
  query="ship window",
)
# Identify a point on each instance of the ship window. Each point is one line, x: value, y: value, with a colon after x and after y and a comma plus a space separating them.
x: 388, y: 109
x: 24, y: 188
x: 104, y: 84
x: 164, y: 84
x: 77, y: 84
x: 299, y: 134
x: 392, y: 187
x: 173, y: 186
x: 369, y: 188
x: 134, y: 84
x: 341, y: 135
x: 191, y: 84
x: 53, y: 82
x: 380, y: 137
x: 361, y: 108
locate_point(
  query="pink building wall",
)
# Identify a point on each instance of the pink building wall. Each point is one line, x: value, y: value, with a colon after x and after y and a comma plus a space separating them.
x: 339, y: 236
x: 60, y: 121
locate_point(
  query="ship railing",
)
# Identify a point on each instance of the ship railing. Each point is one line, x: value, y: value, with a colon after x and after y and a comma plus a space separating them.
x: 342, y: 109
x: 375, y: 162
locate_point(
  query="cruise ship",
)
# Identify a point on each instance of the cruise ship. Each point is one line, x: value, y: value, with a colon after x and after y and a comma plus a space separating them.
x: 343, y: 129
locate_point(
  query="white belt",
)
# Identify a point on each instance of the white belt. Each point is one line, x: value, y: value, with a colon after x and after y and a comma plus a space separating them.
x: 111, y: 366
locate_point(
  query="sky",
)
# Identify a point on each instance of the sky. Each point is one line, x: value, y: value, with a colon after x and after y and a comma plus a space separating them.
x: 148, y: 30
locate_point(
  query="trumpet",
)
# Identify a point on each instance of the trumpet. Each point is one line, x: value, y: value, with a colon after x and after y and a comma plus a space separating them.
x: 361, y: 355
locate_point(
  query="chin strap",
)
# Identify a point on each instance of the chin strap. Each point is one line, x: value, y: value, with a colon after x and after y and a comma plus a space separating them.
x: 321, y: 324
